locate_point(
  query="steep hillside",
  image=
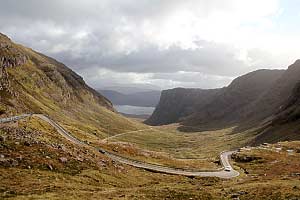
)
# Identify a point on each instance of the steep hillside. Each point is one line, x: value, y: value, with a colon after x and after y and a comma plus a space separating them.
x: 270, y: 103
x: 177, y: 103
x: 144, y: 99
x: 285, y: 125
x: 277, y: 111
x: 213, y: 109
x: 32, y: 82
x: 228, y: 107
x: 290, y: 111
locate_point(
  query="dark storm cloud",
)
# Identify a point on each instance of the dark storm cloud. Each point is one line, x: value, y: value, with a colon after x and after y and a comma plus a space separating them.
x: 207, y: 58
x: 70, y: 10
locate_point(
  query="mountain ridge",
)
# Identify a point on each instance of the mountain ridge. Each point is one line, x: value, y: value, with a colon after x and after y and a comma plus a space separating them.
x: 230, y: 106
x: 33, y: 82
x: 264, y: 100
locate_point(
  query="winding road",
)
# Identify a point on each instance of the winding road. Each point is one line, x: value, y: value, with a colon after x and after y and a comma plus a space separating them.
x: 226, y: 172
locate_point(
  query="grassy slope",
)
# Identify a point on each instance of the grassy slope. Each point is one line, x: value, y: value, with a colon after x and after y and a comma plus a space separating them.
x: 43, y: 85
x: 87, y: 116
x: 186, y: 145
x: 90, y: 175
x: 32, y: 149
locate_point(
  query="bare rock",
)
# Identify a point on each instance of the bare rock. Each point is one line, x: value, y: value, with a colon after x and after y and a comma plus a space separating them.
x: 244, y: 158
x: 63, y: 160
x: 79, y: 159
x: 27, y: 143
x: 2, y: 138
x: 101, y: 164
x: 50, y: 167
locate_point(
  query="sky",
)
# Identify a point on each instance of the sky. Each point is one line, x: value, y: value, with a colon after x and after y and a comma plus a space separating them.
x: 159, y: 43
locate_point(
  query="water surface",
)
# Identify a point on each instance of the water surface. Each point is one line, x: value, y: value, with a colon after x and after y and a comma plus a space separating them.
x: 134, y: 110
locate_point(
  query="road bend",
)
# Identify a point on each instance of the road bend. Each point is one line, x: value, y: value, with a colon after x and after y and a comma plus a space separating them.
x: 226, y: 172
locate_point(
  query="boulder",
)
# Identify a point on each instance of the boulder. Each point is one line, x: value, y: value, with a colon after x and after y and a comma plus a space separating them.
x: 63, y: 160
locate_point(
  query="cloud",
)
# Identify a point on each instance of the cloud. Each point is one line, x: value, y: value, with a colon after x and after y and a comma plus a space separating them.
x: 152, y: 41
x: 101, y: 78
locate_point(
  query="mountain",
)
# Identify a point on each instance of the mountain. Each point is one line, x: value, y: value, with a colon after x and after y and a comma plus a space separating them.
x: 281, y: 108
x: 290, y: 111
x: 267, y: 100
x: 143, y: 99
x: 273, y: 99
x: 33, y: 82
x: 286, y: 123
x: 177, y: 103
x: 231, y: 105
x: 212, y: 109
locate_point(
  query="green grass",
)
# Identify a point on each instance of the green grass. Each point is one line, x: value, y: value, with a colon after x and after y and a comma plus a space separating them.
x: 39, y: 94
x: 197, y: 145
x: 89, y: 180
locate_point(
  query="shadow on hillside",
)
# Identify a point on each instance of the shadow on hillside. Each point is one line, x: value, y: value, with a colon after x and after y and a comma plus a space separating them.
x: 268, y: 132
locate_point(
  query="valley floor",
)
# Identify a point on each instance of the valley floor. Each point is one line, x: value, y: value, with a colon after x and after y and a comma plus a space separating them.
x: 38, y: 163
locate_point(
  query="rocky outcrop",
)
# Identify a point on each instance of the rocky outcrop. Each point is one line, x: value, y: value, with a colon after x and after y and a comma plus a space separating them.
x: 10, y: 56
x: 12, y: 61
x: 239, y: 157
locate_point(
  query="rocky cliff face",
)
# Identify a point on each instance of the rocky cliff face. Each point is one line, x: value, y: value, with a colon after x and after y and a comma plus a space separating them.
x: 10, y: 56
x: 175, y: 104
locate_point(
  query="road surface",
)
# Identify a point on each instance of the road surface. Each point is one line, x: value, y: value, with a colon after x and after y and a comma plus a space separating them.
x: 224, y: 156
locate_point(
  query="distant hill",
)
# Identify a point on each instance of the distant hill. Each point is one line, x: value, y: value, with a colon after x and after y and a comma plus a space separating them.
x: 33, y: 82
x: 144, y: 99
x: 177, y: 103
